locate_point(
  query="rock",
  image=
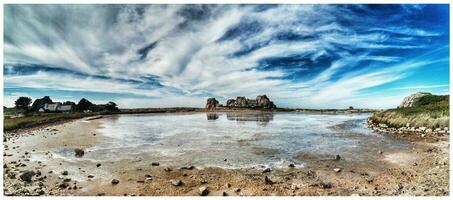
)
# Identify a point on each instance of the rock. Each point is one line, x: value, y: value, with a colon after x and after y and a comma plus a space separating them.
x: 227, y: 185
x: 267, y: 180
x: 40, y: 191
x: 224, y: 194
x: 90, y: 176
x: 238, y: 189
x: 63, y: 185
x: 167, y: 169
x: 115, y: 181
x: 381, y: 125
x: 267, y: 170
x: 429, y: 130
x: 204, y: 181
x: 64, y: 173
x: 211, y: 103
x: 98, y: 165
x: 409, y: 100
x: 67, y: 180
x: 79, y: 152
x: 263, y: 102
x: 27, y: 176
x: 176, y: 182
x: 291, y: 165
x: 203, y: 191
x: 187, y: 167
x: 337, y: 170
x: 422, y: 128
x: 337, y: 157
x: 296, y: 186
x: 155, y: 164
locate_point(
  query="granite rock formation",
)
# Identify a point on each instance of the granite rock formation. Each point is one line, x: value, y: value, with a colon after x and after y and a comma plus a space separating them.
x: 409, y: 100
x: 211, y: 103
x: 261, y: 101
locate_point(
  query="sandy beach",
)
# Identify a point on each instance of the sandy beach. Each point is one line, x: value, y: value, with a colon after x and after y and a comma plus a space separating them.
x: 422, y: 170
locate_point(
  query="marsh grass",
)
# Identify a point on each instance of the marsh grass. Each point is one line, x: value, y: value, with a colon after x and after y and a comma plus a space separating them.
x: 430, y: 111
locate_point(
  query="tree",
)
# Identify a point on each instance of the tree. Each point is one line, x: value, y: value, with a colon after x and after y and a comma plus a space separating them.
x: 39, y: 103
x: 84, y: 104
x: 22, y: 103
x: 111, y: 106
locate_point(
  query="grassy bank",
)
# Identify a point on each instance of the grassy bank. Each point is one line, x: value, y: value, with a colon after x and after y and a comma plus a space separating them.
x: 40, y: 119
x: 431, y: 111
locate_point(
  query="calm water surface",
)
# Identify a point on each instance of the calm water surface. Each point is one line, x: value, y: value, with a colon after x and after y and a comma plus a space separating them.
x: 235, y: 140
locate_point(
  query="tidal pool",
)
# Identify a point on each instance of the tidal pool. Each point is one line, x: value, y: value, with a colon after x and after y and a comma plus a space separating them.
x: 238, y: 139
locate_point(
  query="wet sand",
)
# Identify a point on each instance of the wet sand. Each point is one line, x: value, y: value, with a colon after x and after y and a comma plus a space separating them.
x: 421, y: 170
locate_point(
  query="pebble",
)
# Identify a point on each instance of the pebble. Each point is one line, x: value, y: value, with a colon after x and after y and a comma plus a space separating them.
x: 167, y: 169
x: 176, y: 182
x: 203, y: 191
x: 115, y: 181
x: 224, y: 194
x: 237, y: 189
x: 64, y: 173
x: 337, y: 170
x: 267, y: 180
x: 90, y: 176
x: 267, y: 170
x: 98, y: 165
x: 27, y: 176
x: 337, y: 157
x: 291, y: 165
x: 155, y: 164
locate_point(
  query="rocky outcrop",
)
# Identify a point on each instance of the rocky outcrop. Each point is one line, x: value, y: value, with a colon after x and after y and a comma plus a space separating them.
x: 261, y: 101
x: 211, y: 103
x: 264, y: 102
x: 409, y: 100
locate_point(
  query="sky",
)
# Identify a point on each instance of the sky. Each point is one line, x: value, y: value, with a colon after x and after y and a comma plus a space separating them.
x: 304, y: 56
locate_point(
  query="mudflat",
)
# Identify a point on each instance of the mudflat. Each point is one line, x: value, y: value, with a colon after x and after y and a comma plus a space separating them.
x: 41, y: 154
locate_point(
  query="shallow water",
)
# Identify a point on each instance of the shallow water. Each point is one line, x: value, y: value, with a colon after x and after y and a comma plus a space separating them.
x: 236, y: 140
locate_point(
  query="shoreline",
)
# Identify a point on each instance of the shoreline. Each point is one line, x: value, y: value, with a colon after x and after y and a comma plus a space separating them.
x: 396, y: 173
x: 182, y: 110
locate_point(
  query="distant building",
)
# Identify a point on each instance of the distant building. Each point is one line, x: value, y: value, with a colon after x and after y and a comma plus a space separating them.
x: 56, y: 107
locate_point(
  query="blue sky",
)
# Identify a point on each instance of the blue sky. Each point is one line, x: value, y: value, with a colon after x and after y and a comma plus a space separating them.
x: 310, y: 56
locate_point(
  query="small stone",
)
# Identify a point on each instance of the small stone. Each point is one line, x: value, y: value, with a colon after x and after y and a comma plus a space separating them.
x: 63, y: 185
x: 176, y: 182
x: 167, y: 169
x: 115, y: 181
x: 203, y: 191
x: 337, y: 170
x: 227, y: 185
x: 187, y: 167
x: 267, y: 180
x: 337, y: 157
x: 204, y: 181
x: 64, y: 173
x: 237, y: 189
x: 267, y: 170
x: 291, y: 165
x: 90, y: 176
x: 40, y: 191
x: 155, y: 164
x: 224, y: 194
x: 98, y: 165
x: 67, y: 180
x: 79, y: 152
x: 27, y: 176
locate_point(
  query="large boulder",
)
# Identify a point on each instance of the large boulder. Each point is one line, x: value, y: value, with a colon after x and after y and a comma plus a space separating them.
x: 241, y: 102
x: 231, y: 102
x: 211, y: 103
x: 264, y: 102
x: 409, y: 100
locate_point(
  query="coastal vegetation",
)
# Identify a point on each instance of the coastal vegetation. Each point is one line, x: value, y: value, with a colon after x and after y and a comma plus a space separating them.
x: 430, y: 111
x: 45, y: 111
